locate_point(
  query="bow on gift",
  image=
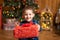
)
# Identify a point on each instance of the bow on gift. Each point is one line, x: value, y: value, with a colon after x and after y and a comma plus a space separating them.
x: 27, y: 24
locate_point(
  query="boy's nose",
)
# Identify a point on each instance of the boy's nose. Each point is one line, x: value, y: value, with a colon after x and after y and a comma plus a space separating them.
x: 27, y: 15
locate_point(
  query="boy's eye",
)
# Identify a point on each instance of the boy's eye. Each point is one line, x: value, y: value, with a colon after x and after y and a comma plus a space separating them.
x: 25, y: 14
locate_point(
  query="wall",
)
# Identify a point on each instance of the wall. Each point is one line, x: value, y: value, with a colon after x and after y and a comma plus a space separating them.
x: 1, y: 1
x: 51, y: 4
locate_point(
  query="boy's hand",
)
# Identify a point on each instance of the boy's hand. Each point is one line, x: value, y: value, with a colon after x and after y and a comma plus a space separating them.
x: 38, y: 27
x: 17, y: 23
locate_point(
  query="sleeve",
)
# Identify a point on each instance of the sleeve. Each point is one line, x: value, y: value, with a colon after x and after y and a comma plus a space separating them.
x: 21, y: 23
x: 35, y: 21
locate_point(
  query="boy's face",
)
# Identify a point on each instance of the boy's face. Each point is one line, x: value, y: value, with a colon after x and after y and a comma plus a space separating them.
x: 28, y: 15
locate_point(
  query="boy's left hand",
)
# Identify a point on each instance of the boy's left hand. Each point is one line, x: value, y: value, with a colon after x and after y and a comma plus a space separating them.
x: 38, y: 27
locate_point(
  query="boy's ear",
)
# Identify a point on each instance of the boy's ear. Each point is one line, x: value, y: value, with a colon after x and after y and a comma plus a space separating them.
x: 33, y: 15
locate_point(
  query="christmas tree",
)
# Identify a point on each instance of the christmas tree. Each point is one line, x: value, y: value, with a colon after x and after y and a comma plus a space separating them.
x: 13, y: 8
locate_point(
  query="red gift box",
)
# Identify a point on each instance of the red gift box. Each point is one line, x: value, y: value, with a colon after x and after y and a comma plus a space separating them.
x: 26, y: 32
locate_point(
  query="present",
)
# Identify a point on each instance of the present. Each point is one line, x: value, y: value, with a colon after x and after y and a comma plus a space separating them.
x: 26, y: 32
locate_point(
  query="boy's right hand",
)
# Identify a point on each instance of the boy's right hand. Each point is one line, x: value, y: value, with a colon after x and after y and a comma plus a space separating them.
x: 17, y: 23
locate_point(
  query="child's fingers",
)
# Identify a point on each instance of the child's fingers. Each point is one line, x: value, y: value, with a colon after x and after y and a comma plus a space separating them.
x: 16, y: 24
x: 38, y: 26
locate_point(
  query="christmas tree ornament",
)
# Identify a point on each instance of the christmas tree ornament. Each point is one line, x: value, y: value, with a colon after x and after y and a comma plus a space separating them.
x: 35, y: 10
x: 22, y: 16
x: 24, y: 1
x: 12, y: 15
x: 17, y: 0
x: 13, y: 8
x: 26, y: 5
x: 36, y: 1
x: 19, y: 6
x: 7, y: 11
x: 8, y: 14
x: 8, y: 0
x: 38, y: 6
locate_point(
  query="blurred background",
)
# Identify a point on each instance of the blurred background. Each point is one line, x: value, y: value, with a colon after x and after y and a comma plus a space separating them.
x: 47, y: 13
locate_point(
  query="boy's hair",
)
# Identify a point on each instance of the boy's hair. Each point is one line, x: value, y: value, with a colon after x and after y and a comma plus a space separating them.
x: 28, y: 8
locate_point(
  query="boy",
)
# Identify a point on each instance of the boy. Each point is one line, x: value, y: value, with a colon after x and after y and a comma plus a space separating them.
x: 28, y: 14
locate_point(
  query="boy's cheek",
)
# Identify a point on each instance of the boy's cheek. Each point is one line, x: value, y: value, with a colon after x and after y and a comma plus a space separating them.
x: 25, y: 16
